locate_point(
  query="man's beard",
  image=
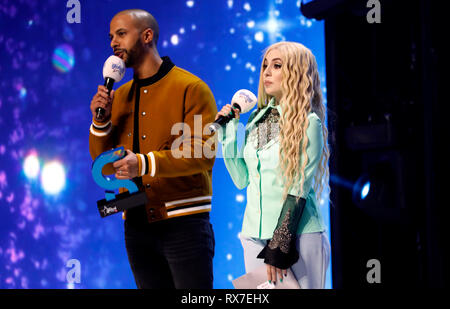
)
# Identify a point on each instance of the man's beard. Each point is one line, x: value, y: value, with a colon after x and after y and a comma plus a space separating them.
x: 133, y: 55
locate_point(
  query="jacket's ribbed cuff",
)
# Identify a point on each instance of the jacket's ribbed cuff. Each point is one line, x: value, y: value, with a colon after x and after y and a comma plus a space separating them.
x: 101, y: 128
x: 146, y: 164
x: 101, y: 123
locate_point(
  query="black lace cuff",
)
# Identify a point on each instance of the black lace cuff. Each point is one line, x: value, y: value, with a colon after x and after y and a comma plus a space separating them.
x: 281, y: 251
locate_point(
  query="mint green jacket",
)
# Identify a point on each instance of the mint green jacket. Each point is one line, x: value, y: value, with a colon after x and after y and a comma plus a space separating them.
x: 258, y: 170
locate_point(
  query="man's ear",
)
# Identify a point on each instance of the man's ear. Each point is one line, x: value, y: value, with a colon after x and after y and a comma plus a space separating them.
x: 148, y: 36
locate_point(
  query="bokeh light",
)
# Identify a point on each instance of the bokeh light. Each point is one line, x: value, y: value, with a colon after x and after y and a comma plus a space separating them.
x: 63, y: 58
x: 53, y: 178
x: 31, y: 166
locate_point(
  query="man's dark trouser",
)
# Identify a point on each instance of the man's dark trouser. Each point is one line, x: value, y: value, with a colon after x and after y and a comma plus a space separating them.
x: 173, y: 253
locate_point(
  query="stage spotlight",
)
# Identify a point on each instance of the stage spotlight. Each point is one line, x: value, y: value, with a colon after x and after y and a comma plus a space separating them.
x: 365, y: 190
x: 379, y: 190
x: 31, y: 166
x: 53, y: 178
x: 361, y: 189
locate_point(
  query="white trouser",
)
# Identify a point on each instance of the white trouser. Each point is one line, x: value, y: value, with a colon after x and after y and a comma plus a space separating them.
x: 311, y: 267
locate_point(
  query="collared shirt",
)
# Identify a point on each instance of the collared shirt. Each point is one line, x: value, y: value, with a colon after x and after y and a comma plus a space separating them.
x: 258, y: 170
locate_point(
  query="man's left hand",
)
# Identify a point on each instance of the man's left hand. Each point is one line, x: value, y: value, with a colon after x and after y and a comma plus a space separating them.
x: 126, y: 168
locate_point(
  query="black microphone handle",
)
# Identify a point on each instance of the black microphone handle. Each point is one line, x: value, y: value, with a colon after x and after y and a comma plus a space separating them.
x: 109, y: 83
x: 223, y: 120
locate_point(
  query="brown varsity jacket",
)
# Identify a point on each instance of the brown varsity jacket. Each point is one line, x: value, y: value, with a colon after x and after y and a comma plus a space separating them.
x: 164, y: 120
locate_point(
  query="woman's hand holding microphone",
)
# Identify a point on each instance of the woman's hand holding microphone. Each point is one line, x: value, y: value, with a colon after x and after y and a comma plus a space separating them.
x: 226, y: 110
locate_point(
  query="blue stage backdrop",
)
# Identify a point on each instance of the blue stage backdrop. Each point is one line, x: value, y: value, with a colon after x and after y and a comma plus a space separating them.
x: 49, y: 72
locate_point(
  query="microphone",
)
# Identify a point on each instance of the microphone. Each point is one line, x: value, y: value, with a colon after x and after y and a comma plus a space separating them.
x: 113, y: 71
x: 244, y: 100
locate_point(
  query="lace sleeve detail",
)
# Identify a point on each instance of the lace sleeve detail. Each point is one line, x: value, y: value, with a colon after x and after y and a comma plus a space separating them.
x: 282, y: 237
x: 281, y: 250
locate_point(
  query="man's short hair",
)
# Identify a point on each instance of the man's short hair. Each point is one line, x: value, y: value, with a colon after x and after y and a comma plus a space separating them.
x: 144, y: 20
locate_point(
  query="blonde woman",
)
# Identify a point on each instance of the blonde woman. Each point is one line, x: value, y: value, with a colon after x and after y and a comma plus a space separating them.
x: 284, y: 165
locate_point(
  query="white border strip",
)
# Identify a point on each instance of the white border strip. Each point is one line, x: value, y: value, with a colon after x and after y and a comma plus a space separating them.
x: 97, y: 133
x: 180, y: 211
x: 142, y: 171
x: 152, y: 163
x: 194, y: 199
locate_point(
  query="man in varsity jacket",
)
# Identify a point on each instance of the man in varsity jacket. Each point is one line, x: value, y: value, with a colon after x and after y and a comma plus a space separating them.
x: 169, y: 241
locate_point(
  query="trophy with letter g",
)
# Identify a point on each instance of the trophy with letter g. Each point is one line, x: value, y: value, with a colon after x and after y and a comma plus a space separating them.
x: 113, y: 203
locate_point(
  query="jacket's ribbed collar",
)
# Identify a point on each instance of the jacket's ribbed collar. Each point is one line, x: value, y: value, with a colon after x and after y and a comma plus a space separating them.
x: 165, y: 67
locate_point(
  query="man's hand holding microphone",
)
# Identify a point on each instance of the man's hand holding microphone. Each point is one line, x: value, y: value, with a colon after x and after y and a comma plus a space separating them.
x: 102, y: 100
x: 101, y: 104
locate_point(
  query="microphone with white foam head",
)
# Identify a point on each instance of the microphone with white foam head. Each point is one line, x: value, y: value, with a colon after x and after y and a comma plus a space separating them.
x: 243, y: 100
x: 113, y: 72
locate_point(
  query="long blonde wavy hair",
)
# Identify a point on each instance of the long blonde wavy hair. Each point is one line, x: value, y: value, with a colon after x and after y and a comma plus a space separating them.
x: 301, y: 94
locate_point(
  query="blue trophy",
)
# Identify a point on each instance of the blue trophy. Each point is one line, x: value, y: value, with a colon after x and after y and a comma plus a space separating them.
x: 113, y: 203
